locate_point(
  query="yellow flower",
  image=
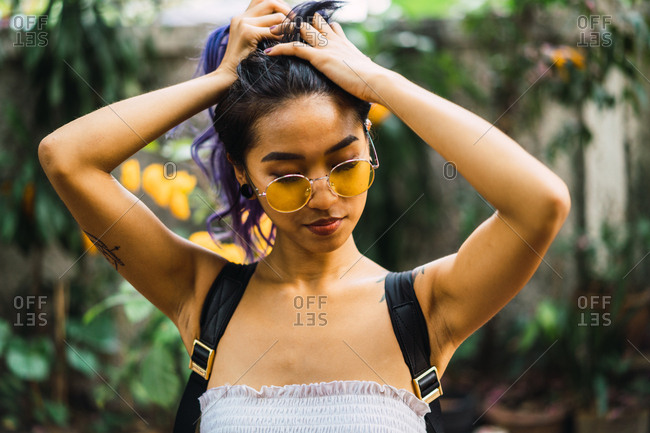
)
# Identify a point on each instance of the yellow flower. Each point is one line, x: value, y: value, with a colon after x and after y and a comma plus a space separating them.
x: 562, y: 55
x: 230, y: 252
x: 378, y: 113
x: 184, y: 182
x: 169, y: 191
x: 557, y: 56
x: 179, y: 205
x: 576, y: 58
x: 156, y: 185
x: 130, y: 175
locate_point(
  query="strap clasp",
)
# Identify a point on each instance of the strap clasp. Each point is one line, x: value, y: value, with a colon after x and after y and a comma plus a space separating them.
x: 201, y: 359
x: 427, y: 385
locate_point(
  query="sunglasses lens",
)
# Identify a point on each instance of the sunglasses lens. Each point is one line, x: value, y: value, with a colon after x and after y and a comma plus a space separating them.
x: 352, y: 178
x: 288, y: 193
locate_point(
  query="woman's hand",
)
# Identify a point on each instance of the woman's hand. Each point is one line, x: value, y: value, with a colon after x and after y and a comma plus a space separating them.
x: 330, y: 51
x: 247, y: 29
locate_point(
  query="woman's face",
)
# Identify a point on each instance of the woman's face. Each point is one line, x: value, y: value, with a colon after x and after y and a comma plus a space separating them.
x: 308, y: 135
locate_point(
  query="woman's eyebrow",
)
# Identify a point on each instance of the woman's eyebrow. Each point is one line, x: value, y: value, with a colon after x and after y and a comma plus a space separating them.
x: 283, y: 156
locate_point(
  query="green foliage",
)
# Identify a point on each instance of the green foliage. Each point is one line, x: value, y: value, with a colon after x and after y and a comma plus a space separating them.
x: 580, y: 343
x: 136, y: 307
x: 54, y: 411
x: 29, y: 359
x: 5, y: 332
x: 11, y: 391
x: 159, y: 364
x: 91, y: 346
x: 423, y: 8
x: 31, y: 215
x: 159, y: 355
x: 86, y: 63
x: 586, y: 346
x: 585, y: 335
x: 89, y: 60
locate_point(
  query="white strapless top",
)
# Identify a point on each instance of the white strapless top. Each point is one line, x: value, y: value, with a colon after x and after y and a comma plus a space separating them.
x: 326, y: 407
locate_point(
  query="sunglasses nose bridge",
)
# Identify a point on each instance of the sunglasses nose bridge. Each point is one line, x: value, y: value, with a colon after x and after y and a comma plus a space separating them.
x: 329, y: 186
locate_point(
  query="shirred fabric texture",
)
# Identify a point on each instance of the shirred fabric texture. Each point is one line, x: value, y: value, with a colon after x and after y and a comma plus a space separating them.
x: 326, y: 407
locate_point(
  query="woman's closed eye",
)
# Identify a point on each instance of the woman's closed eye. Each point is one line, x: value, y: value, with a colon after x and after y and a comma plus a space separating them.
x: 349, y: 166
x: 282, y: 173
x: 288, y: 179
x: 290, y: 173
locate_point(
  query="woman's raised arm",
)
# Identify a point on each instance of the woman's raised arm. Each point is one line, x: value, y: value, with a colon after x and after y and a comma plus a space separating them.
x: 463, y: 290
x: 108, y: 136
x: 78, y: 159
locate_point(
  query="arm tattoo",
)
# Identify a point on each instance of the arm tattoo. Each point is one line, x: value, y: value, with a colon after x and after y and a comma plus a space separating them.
x: 107, y: 252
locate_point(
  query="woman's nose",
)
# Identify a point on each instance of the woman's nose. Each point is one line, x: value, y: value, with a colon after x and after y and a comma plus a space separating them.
x: 322, y: 197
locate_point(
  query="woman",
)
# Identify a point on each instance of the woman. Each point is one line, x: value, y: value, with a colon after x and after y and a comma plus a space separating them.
x: 300, y: 108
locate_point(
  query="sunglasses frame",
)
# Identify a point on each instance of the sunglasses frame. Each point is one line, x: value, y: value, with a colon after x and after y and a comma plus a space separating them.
x: 311, y: 181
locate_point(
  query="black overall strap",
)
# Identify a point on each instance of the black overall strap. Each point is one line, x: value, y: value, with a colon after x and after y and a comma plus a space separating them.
x: 410, y: 328
x: 219, y: 305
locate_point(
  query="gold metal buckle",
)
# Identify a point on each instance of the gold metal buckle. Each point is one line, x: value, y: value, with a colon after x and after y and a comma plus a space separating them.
x: 433, y: 394
x: 197, y: 368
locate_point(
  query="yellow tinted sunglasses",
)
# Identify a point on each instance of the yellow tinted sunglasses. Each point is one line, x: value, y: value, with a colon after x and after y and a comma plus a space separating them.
x: 292, y: 192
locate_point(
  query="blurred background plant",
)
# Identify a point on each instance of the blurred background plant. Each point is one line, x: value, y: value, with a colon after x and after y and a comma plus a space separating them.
x: 570, y: 356
x: 88, y: 60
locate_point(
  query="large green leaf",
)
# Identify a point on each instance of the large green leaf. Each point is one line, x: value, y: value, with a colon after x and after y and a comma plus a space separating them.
x: 166, y: 332
x: 100, y: 334
x: 111, y: 301
x: 136, y: 306
x: 159, y: 376
x: 82, y: 360
x: 29, y: 359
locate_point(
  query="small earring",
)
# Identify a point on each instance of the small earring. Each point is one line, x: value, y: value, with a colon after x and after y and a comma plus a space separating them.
x: 246, y: 191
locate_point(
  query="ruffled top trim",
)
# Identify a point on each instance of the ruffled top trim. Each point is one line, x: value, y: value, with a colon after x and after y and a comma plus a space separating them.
x: 336, y: 387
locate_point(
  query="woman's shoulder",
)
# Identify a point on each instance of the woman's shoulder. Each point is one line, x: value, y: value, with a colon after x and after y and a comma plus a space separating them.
x: 369, y: 267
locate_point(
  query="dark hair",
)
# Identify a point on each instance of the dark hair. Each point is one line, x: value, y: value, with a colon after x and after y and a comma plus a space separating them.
x: 263, y: 84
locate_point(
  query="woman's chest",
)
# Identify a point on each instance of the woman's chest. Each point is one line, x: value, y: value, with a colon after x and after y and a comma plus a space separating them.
x: 310, y: 338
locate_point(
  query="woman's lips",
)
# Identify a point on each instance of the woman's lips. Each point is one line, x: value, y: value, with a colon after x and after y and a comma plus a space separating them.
x: 325, y: 229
